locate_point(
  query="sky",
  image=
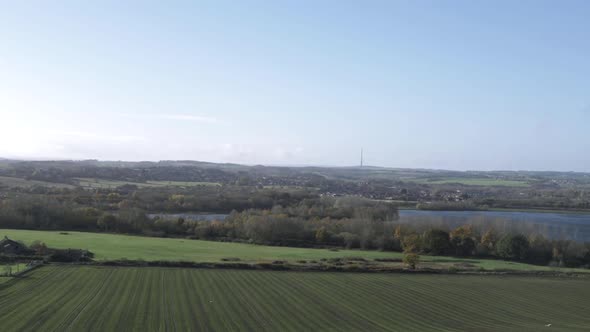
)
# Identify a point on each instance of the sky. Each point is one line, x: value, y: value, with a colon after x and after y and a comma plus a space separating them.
x: 465, y: 85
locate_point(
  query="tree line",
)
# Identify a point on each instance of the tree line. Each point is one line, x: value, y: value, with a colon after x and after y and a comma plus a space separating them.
x: 347, y: 222
x: 376, y: 228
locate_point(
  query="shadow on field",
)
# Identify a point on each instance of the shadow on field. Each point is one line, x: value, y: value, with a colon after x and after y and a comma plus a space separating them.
x: 470, y: 261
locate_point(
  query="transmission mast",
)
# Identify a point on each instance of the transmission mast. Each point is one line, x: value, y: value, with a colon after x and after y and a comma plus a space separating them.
x: 361, y: 157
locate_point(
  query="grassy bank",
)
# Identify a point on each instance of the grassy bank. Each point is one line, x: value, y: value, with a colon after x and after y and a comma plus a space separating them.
x: 113, y: 247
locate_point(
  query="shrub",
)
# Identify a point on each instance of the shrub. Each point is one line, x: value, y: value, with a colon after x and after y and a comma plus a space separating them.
x: 411, y: 260
x: 357, y: 259
x: 388, y: 260
x: 230, y: 259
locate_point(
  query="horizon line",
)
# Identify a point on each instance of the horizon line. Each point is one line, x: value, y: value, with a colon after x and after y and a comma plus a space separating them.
x: 48, y: 159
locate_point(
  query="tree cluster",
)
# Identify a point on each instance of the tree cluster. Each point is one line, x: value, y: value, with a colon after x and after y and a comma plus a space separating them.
x: 466, y: 241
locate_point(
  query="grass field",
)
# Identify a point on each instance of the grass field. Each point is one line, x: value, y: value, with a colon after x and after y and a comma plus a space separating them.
x: 98, y: 183
x: 102, y: 183
x: 74, y: 298
x: 23, y: 183
x: 182, y: 183
x: 112, y: 246
x: 473, y: 182
x: 14, y: 268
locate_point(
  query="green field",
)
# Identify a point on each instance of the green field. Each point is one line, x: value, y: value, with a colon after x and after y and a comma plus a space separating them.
x: 112, y: 246
x: 14, y: 268
x: 102, y: 183
x: 76, y: 298
x: 182, y: 183
x: 23, y: 183
x: 473, y: 182
x: 98, y: 183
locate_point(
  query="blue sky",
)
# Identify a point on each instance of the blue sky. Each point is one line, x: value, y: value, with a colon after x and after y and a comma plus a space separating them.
x: 430, y: 84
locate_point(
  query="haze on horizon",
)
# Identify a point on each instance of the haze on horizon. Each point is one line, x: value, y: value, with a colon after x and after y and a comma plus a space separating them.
x: 419, y: 84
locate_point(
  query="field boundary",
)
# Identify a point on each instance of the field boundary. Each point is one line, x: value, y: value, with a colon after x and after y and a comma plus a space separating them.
x: 284, y: 266
x: 29, y: 267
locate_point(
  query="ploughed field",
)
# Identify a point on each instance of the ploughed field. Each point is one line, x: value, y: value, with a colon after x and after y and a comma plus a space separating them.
x: 79, y: 298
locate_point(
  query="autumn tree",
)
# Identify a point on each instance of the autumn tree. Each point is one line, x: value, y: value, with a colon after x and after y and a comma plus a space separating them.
x: 321, y: 235
x: 489, y: 239
x: 463, y: 231
x: 39, y: 247
x: 412, y: 243
x: 462, y: 240
x: 411, y: 260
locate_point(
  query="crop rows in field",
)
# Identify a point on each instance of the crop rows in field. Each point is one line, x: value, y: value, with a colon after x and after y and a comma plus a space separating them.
x: 74, y: 298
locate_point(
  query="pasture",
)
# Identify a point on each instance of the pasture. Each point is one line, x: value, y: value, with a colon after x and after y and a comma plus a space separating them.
x: 114, y: 246
x: 80, y: 298
x: 96, y: 183
x: 486, y: 182
x: 24, y: 183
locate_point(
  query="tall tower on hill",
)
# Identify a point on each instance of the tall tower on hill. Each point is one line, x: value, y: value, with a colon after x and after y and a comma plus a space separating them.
x: 361, y: 157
